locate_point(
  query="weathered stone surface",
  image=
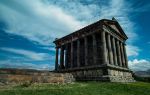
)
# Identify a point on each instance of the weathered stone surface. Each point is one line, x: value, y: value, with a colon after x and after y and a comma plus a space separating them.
x: 120, y: 76
x: 37, y: 78
x: 95, y: 52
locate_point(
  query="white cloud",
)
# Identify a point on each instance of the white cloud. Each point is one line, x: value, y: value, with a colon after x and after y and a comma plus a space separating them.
x: 139, y: 65
x: 37, y: 20
x: 132, y: 50
x: 44, y: 20
x: 24, y: 65
x: 49, y: 48
x: 29, y: 54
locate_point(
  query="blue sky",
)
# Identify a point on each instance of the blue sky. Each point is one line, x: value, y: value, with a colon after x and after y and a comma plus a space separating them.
x: 28, y: 28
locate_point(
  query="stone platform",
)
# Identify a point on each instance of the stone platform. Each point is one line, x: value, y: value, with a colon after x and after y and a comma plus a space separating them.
x: 101, y: 73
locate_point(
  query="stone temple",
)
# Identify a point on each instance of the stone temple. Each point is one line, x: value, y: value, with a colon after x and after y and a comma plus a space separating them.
x: 95, y: 52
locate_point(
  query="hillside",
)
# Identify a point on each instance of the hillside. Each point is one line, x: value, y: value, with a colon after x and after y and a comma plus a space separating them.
x: 78, y: 88
x: 143, y: 73
x: 19, y: 71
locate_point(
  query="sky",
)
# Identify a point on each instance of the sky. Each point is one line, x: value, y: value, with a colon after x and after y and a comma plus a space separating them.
x: 29, y: 27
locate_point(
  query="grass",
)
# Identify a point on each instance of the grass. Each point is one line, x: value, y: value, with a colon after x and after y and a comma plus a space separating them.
x: 79, y: 88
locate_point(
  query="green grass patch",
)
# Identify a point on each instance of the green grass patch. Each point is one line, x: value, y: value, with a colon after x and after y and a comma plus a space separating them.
x: 79, y: 88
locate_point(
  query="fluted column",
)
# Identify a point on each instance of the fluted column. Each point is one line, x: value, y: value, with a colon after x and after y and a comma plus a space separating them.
x: 104, y: 51
x: 78, y: 53
x: 66, y: 56
x: 119, y: 53
x: 56, y: 59
x: 71, y: 55
x: 62, y: 58
x: 122, y: 55
x: 109, y: 49
x: 114, y: 51
x: 86, y: 51
x: 94, y: 49
x: 125, y: 54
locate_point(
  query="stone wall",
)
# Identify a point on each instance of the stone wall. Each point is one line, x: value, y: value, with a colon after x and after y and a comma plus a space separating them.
x: 120, y: 76
x: 35, y: 77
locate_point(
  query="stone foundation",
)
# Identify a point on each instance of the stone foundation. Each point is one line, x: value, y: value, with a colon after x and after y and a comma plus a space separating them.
x: 104, y: 73
x: 120, y: 76
x: 95, y: 73
x: 98, y: 75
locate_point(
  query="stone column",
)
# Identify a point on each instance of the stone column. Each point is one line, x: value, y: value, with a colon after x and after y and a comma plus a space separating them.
x: 78, y: 53
x: 109, y: 49
x: 66, y: 56
x: 56, y: 59
x: 86, y: 51
x: 62, y: 58
x: 114, y: 51
x: 119, y: 54
x: 71, y: 61
x: 104, y: 51
x: 125, y: 54
x: 122, y: 55
x: 94, y: 49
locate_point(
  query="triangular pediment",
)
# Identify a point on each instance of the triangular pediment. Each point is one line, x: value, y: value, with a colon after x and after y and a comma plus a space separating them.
x: 116, y: 27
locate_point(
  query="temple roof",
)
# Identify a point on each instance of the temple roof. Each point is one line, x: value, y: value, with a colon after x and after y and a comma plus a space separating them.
x: 113, y: 24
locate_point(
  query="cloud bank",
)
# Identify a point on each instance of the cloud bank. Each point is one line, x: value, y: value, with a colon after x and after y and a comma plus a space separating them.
x: 28, y: 54
x: 139, y: 65
x: 36, y: 20
x: 24, y: 65
x: 41, y: 20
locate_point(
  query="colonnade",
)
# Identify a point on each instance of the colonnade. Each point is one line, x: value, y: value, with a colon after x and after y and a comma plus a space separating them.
x: 95, y: 49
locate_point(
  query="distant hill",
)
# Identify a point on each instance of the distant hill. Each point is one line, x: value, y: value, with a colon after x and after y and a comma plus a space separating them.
x: 142, y: 73
x: 148, y: 71
x: 19, y: 71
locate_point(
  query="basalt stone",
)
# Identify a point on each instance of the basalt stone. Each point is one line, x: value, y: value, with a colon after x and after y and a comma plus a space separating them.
x: 95, y: 52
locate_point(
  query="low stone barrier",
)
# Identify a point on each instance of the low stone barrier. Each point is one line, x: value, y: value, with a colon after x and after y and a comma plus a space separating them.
x: 36, y: 77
